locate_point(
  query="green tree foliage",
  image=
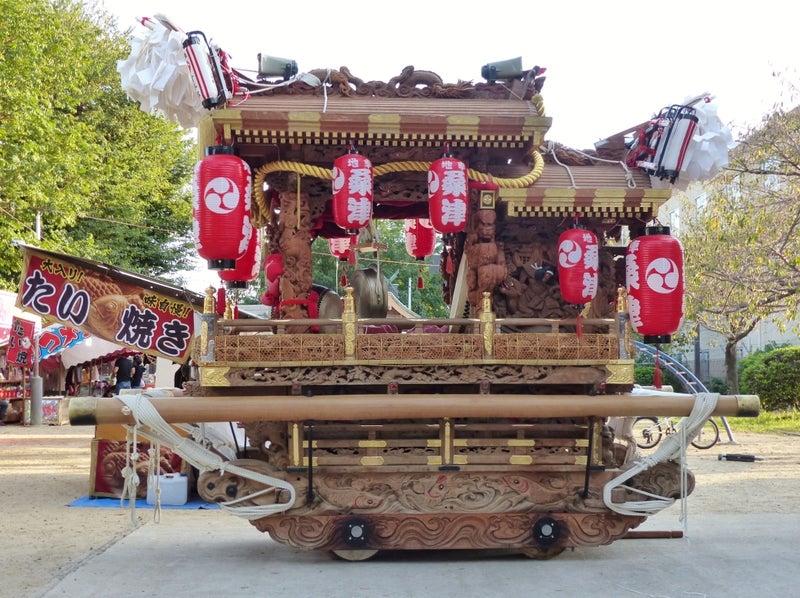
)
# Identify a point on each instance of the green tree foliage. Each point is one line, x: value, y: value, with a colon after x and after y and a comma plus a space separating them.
x: 643, y: 376
x: 108, y: 181
x: 400, y: 269
x: 774, y: 376
x: 743, y: 248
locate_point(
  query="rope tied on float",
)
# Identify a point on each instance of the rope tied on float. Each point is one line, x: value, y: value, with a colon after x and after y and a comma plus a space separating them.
x: 149, y: 424
x: 260, y: 175
x: 673, y: 447
x: 130, y: 478
x: 550, y: 148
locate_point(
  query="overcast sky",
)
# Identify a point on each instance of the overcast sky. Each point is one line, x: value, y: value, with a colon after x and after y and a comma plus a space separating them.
x: 610, y: 65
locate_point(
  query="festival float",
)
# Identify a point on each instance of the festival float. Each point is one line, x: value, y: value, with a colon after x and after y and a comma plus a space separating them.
x: 506, y: 425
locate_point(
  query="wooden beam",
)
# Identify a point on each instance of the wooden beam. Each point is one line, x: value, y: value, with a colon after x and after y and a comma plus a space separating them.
x: 94, y: 410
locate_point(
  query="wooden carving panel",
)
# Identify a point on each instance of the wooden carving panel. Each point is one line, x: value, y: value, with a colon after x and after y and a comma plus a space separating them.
x: 424, y: 532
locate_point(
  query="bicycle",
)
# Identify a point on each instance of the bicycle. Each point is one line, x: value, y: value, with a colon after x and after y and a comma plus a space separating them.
x: 648, y: 430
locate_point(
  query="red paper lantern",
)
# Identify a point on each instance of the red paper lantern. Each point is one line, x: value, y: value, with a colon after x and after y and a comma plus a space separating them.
x: 578, y: 265
x: 221, y: 207
x: 352, y: 191
x: 273, y: 270
x: 447, y: 195
x: 420, y: 237
x: 339, y: 247
x: 247, y: 266
x: 655, y: 284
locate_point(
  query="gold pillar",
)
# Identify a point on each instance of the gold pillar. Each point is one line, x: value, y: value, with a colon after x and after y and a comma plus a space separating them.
x: 349, y: 321
x: 487, y: 319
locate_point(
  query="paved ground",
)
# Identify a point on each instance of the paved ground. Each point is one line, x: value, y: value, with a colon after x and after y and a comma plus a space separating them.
x: 205, y: 554
x: 742, y: 537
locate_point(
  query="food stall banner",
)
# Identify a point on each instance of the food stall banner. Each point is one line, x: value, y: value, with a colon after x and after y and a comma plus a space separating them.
x: 56, y: 338
x: 20, y: 342
x: 112, y: 304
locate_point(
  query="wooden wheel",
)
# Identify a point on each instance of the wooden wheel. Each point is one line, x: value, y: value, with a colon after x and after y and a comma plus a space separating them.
x: 354, y: 555
x: 542, y: 554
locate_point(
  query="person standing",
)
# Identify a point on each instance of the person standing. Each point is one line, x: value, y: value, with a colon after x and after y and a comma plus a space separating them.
x: 183, y: 374
x: 123, y: 368
x: 137, y: 374
x: 3, y: 409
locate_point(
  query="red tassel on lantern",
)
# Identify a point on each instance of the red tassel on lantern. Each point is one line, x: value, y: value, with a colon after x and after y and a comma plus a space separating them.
x: 447, y: 195
x: 247, y: 266
x: 657, y: 381
x: 221, y: 207
x: 352, y: 191
x: 655, y: 284
x: 578, y: 265
x: 420, y: 237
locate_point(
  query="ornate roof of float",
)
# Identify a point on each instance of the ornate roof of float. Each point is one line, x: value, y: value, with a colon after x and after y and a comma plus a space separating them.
x: 415, y: 109
x: 299, y: 123
x: 498, y: 128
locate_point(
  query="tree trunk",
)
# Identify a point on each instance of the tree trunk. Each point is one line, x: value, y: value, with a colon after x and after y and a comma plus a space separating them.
x: 731, y: 362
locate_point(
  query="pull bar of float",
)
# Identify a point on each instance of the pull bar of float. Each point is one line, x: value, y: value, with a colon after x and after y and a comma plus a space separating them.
x: 96, y: 410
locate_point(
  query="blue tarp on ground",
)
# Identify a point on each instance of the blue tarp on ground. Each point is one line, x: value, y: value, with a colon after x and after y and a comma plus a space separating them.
x: 114, y: 503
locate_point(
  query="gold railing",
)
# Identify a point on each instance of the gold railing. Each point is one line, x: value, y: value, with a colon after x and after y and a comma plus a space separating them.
x: 408, y: 341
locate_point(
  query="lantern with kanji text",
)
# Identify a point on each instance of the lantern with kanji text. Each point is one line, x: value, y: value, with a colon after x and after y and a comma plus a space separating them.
x: 352, y: 191
x: 221, y: 207
x: 578, y: 264
x: 340, y: 247
x: 420, y: 237
x: 448, y: 195
x: 247, y: 266
x: 655, y: 284
x: 420, y: 241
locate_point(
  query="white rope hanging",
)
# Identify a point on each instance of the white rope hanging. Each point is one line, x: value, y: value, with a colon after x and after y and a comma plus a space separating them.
x: 209, y: 437
x: 154, y: 477
x: 129, y: 476
x: 551, y: 149
x: 672, y: 447
x: 150, y: 425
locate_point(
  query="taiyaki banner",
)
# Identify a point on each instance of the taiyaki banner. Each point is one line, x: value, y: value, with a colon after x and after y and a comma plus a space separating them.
x: 20, y: 342
x: 117, y: 306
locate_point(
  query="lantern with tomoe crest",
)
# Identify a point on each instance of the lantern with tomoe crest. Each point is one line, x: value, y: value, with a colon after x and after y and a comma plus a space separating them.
x: 578, y: 265
x: 247, y: 266
x: 655, y: 284
x: 221, y: 207
x: 352, y: 191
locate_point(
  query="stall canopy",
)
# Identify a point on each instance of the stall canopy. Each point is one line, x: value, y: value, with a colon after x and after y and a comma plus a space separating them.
x: 92, y: 349
x: 122, y: 307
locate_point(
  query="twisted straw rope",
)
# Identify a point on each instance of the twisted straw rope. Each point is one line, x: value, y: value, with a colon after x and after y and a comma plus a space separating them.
x: 403, y: 166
